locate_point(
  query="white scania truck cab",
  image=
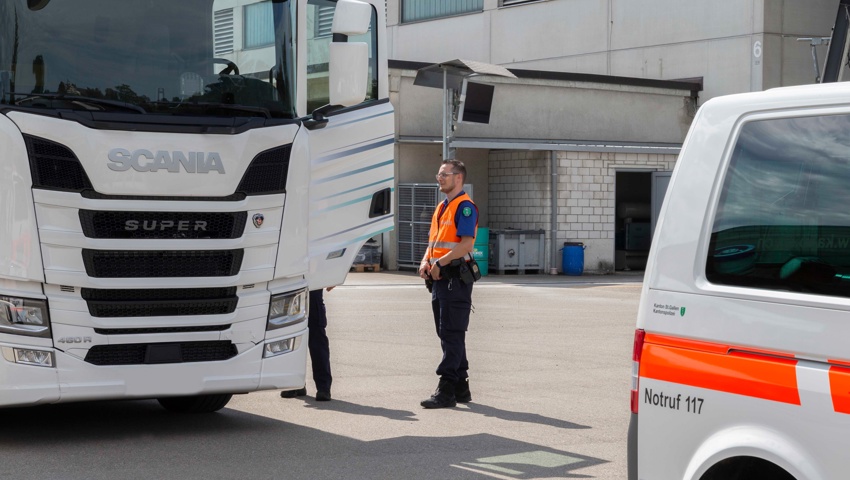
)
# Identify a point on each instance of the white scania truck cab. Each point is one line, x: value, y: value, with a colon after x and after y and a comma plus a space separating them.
x: 174, y: 177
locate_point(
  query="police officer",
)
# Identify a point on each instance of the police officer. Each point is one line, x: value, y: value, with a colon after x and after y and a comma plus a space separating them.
x: 451, y: 238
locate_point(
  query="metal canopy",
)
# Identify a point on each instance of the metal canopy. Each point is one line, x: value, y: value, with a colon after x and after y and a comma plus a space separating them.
x: 455, y: 71
x: 450, y: 76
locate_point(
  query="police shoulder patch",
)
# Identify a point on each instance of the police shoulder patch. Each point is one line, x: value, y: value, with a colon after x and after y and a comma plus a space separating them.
x: 466, y: 211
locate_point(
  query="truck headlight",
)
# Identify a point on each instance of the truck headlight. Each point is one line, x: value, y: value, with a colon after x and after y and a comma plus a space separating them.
x: 24, y: 316
x: 287, y: 309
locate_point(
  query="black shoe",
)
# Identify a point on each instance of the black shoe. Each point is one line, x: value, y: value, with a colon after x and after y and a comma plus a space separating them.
x: 462, y: 393
x: 323, y: 396
x: 444, y: 397
x: 294, y: 393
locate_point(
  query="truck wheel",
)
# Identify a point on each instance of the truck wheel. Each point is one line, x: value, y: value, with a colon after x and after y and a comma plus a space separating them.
x: 195, y: 404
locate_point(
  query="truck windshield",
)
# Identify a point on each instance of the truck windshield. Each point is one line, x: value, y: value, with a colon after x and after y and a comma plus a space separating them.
x: 222, y: 58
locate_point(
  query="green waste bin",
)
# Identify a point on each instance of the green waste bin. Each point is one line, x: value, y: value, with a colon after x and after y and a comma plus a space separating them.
x: 481, y: 249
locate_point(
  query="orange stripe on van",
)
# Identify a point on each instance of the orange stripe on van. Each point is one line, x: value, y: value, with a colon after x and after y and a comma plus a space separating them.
x: 721, y: 367
x: 840, y: 363
x: 686, y: 343
x: 710, y: 346
x: 839, y: 387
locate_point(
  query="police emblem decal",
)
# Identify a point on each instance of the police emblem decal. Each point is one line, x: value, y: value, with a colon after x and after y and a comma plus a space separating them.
x: 258, y: 220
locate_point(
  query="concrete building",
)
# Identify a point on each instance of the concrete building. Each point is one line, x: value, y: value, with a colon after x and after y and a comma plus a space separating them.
x: 580, y: 144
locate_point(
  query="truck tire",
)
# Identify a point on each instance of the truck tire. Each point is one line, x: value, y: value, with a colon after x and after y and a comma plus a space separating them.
x: 195, y: 404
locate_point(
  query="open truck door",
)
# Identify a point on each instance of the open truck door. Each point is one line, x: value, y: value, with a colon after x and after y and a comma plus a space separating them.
x: 350, y: 133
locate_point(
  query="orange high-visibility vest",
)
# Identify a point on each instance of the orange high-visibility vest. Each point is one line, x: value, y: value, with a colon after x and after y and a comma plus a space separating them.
x: 443, y: 235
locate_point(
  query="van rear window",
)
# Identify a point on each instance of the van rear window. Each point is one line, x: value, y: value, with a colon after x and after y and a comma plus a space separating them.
x: 783, y: 221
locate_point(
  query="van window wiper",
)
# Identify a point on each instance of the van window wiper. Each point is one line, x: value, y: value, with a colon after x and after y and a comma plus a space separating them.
x: 79, y: 101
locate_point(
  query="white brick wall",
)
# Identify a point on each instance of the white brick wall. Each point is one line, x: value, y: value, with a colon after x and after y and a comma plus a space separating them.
x: 520, y: 193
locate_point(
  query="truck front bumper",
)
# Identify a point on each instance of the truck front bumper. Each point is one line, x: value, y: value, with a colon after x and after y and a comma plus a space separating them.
x: 72, y: 379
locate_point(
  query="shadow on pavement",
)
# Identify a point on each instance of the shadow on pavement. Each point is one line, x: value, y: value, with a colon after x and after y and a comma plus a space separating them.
x: 489, y: 411
x: 138, y: 439
x: 357, y: 409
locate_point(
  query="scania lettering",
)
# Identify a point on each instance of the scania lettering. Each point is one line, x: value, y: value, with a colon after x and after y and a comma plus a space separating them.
x: 122, y: 160
x: 741, y: 359
x: 169, y: 194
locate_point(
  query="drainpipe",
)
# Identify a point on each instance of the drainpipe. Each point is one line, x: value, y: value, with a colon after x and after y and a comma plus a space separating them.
x: 553, y: 228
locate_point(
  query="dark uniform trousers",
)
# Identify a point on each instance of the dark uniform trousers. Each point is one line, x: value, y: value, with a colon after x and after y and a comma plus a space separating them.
x: 451, y: 301
x: 320, y: 353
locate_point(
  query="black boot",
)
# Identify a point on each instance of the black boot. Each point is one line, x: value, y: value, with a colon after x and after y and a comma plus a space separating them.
x: 323, y: 396
x: 294, y: 393
x: 444, y: 397
x: 462, y: 393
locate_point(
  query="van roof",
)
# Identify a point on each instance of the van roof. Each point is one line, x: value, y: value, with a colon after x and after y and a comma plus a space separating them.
x: 825, y: 94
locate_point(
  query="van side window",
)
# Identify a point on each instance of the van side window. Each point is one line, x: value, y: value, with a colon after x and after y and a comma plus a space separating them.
x: 319, y: 21
x: 783, y: 221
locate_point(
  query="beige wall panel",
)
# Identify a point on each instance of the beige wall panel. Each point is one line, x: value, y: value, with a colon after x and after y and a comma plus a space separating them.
x: 804, y: 18
x: 549, y: 30
x: 465, y: 36
x: 723, y: 64
x: 594, y: 63
x: 664, y: 22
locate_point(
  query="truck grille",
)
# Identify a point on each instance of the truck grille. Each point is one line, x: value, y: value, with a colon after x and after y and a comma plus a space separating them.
x: 160, y: 302
x: 54, y: 166
x: 267, y: 173
x: 166, y: 263
x: 159, y: 353
x: 162, y: 225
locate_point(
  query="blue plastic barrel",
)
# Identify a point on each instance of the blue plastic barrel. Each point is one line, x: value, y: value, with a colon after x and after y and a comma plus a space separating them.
x: 572, y: 259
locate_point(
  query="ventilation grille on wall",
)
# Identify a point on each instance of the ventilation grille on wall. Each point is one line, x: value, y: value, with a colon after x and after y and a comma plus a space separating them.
x: 416, y: 203
x: 324, y: 21
x: 223, y: 31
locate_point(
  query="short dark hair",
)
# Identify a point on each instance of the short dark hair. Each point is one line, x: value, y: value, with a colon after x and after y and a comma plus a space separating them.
x: 457, y: 167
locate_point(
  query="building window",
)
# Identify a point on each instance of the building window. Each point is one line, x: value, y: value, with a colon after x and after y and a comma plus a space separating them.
x: 259, y: 25
x: 507, y: 3
x: 415, y: 10
x: 782, y: 220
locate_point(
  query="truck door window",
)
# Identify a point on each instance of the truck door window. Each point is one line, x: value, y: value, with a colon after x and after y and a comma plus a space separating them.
x: 319, y: 21
x: 783, y: 221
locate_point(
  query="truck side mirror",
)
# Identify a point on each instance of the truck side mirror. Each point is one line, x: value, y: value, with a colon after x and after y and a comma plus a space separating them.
x: 349, y: 61
x: 351, y: 17
x: 349, y: 69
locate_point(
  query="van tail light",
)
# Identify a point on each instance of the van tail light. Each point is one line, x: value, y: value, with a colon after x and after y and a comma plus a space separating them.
x: 638, y: 349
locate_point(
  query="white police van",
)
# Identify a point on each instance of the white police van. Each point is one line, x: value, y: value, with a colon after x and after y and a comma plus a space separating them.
x: 742, y: 348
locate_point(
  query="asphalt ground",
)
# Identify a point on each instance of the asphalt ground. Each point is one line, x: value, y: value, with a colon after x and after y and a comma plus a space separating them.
x: 550, y: 359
